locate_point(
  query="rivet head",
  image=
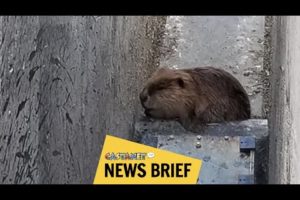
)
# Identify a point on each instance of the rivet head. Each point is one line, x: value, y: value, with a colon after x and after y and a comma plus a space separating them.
x: 199, y: 137
x: 198, y: 145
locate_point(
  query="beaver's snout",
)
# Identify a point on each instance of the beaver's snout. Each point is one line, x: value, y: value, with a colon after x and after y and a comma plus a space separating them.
x: 143, y: 98
x: 148, y: 112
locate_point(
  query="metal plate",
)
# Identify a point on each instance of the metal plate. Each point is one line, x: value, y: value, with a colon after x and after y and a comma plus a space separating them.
x: 223, y: 162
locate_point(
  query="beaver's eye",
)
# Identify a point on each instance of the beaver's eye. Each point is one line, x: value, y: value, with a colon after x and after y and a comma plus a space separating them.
x: 152, y: 90
x: 180, y: 82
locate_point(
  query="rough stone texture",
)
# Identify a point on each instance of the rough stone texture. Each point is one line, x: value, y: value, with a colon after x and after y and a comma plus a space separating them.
x: 65, y: 83
x: 285, y: 110
x: 267, y: 66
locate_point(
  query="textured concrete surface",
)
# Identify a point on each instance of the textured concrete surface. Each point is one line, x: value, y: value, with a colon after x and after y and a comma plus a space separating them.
x: 65, y: 82
x: 234, y: 43
x: 266, y: 75
x: 285, y: 108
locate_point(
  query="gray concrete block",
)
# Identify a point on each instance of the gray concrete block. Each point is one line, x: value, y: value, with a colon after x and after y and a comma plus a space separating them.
x: 285, y: 110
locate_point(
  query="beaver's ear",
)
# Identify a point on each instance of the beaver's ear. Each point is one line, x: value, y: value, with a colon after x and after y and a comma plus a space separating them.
x: 180, y: 82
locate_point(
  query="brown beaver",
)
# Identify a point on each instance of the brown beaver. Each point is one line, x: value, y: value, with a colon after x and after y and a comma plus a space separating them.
x: 195, y: 96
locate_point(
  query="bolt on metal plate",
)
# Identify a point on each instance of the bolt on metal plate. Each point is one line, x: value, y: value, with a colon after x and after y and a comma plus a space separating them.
x: 247, y: 143
x: 246, y: 179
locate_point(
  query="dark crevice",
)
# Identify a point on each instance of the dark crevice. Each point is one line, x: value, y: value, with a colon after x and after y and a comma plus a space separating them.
x: 19, y: 155
x: 18, y: 81
x: 56, y: 153
x: 4, y: 177
x: 71, y: 153
x: 32, y: 72
x: 56, y: 79
x: 43, y: 120
x: 32, y: 54
x: 69, y: 118
x: 5, y: 105
x: 26, y: 157
x: 8, y: 140
x: 2, y: 41
x: 67, y: 98
x: 20, y: 107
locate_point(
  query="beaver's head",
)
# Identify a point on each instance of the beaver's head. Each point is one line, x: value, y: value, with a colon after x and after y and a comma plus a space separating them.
x: 168, y: 94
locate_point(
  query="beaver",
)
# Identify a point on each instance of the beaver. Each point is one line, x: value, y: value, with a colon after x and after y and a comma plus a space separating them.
x: 195, y: 96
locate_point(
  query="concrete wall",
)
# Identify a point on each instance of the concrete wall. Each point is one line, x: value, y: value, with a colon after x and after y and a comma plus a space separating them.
x: 233, y: 43
x: 284, y: 118
x: 65, y: 83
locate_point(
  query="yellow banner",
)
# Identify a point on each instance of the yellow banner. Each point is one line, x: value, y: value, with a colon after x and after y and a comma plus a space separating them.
x: 126, y: 162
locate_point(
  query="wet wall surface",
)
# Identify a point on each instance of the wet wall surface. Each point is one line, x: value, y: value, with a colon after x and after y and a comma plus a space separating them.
x: 66, y: 82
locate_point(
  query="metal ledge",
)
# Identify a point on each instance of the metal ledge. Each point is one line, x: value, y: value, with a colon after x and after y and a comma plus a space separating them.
x: 227, y: 149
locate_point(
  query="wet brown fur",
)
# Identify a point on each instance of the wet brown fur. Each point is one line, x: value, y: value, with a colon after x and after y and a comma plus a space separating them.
x: 195, y: 96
